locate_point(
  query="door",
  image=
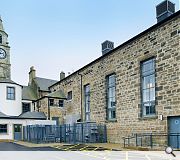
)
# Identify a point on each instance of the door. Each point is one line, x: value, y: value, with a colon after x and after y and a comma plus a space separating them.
x: 174, y: 132
x: 17, y: 132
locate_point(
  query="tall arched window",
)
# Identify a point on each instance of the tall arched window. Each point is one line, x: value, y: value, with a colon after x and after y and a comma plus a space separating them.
x: 0, y: 38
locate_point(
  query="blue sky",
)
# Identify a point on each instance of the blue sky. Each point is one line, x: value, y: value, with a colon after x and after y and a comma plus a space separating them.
x: 65, y: 35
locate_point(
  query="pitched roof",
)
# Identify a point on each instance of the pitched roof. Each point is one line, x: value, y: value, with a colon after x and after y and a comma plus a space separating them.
x: 32, y: 115
x: 3, y: 115
x: 26, y: 115
x: 8, y: 81
x: 28, y: 93
x: 57, y: 94
x: 44, y: 83
x: 176, y: 14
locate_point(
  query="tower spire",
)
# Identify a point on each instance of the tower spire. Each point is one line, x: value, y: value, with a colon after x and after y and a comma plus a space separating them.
x: 1, y: 24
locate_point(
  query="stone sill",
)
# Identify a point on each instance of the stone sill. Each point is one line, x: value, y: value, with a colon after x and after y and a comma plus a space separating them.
x: 111, y: 120
x: 148, y: 117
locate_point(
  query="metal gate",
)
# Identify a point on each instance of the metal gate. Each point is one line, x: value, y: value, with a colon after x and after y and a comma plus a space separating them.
x: 174, y: 130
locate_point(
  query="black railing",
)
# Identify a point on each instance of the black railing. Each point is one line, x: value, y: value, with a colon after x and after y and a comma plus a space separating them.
x: 153, y: 140
x: 77, y: 133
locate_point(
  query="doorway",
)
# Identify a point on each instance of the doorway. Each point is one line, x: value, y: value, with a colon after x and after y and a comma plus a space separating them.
x: 174, y: 131
x: 18, y: 132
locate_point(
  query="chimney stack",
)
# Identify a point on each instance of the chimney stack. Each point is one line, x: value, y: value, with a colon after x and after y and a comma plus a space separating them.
x: 62, y: 75
x: 32, y: 74
x: 107, y: 46
x: 164, y: 10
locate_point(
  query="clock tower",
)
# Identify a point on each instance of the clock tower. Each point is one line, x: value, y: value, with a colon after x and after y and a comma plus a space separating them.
x: 5, y: 66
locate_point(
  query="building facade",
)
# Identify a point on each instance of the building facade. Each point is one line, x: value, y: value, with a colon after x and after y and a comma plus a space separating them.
x: 134, y: 88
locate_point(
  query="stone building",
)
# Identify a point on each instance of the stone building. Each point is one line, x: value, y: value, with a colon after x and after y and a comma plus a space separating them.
x: 133, y: 88
x: 52, y: 104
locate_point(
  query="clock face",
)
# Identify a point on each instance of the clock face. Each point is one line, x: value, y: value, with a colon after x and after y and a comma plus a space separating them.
x: 2, y: 53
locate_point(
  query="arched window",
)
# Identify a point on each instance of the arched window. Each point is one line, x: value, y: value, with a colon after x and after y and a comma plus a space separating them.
x: 0, y: 38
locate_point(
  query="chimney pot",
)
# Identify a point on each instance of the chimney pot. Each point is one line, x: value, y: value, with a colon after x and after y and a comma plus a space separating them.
x: 164, y: 10
x: 32, y: 74
x: 62, y: 75
x: 107, y: 46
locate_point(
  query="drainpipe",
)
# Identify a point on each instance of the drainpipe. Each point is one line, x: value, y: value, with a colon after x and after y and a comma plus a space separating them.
x: 48, y: 110
x: 81, y: 97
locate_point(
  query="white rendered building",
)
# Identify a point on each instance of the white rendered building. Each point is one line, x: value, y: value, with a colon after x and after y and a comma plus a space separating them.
x: 16, y: 102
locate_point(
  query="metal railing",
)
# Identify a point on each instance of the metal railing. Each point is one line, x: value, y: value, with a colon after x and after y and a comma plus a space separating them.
x: 77, y: 133
x: 153, y: 140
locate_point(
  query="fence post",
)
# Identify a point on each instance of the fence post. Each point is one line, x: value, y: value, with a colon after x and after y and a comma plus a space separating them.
x: 136, y: 139
x: 74, y: 133
x: 69, y: 133
x: 82, y: 130
x: 151, y: 140
x: 65, y: 133
x: 105, y: 134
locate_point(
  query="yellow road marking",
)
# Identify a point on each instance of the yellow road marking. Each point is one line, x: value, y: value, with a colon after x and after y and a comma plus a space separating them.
x: 95, y: 149
x: 83, y: 148
x: 71, y: 147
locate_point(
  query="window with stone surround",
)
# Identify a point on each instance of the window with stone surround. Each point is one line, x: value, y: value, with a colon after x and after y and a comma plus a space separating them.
x: 87, y: 102
x: 148, y: 87
x: 51, y: 102
x: 61, y: 103
x: 69, y: 95
x: 11, y: 93
x: 111, y: 97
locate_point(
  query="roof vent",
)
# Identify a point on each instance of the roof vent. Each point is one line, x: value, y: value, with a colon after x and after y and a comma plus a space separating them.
x: 164, y: 10
x: 107, y: 46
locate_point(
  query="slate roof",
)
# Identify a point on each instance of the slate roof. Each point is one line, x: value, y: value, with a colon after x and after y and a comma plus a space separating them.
x: 28, y: 93
x: 32, y: 115
x: 26, y: 115
x: 44, y: 83
x: 8, y: 81
x: 3, y: 115
x: 57, y: 94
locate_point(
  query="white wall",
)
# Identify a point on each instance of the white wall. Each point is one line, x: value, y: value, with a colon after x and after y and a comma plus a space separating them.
x: 10, y: 107
x: 10, y: 124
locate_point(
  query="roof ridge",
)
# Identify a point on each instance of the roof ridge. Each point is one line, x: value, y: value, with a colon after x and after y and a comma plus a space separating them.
x: 46, y: 78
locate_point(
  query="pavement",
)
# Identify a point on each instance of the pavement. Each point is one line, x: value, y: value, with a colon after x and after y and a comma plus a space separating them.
x: 76, y: 147
x: 9, y: 146
x: 80, y: 152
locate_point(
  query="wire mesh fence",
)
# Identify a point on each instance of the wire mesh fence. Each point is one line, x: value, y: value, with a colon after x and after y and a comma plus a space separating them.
x: 156, y: 141
x: 77, y: 133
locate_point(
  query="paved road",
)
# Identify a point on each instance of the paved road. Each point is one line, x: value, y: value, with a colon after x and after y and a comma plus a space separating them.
x: 78, y: 155
x: 8, y: 146
x: 87, y: 155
